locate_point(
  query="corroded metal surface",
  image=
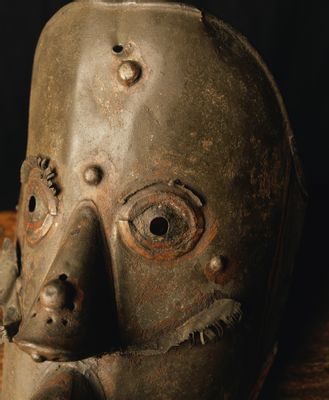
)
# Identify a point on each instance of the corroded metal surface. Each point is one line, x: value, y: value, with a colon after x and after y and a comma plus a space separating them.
x: 160, y: 209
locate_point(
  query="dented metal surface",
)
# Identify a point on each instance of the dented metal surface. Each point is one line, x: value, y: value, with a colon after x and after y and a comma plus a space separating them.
x: 160, y: 210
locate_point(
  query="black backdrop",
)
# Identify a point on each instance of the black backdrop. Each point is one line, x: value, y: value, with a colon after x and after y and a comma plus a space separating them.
x: 293, y: 38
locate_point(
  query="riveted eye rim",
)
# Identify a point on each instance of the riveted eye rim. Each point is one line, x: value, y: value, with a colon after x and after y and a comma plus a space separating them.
x: 40, y: 218
x: 162, y: 247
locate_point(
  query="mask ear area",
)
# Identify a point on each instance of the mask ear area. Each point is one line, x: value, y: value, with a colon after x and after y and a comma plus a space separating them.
x: 9, y: 303
x: 66, y: 321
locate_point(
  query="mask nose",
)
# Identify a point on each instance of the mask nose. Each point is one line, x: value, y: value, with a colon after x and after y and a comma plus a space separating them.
x: 74, y: 314
x: 58, y: 294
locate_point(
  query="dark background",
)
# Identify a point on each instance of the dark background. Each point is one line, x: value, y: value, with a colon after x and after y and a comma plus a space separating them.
x: 293, y: 38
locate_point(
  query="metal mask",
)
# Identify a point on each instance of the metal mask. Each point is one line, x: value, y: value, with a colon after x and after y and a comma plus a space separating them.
x: 160, y: 211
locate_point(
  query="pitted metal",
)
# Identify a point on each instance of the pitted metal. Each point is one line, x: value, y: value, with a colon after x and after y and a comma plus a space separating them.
x: 160, y: 211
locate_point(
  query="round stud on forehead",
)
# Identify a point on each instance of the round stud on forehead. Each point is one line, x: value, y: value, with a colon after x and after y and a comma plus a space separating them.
x: 129, y: 72
x: 93, y: 175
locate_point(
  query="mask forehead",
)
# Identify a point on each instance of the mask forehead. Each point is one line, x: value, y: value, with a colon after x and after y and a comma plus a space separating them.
x: 193, y: 94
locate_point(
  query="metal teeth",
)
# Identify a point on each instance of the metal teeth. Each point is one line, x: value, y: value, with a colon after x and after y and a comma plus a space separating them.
x: 47, y: 172
x: 213, y: 331
x: 217, y: 327
x: 234, y: 319
x: 202, y: 338
x: 50, y: 172
x: 3, y: 334
x: 51, y: 176
x: 44, y: 163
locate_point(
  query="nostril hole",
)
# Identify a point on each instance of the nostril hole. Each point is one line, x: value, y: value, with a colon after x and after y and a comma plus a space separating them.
x: 159, y: 226
x: 117, y: 49
x: 65, y: 322
x: 49, y: 321
x: 62, y: 277
x: 33, y: 315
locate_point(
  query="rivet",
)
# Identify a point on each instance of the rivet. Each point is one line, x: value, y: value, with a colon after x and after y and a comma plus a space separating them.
x: 216, y: 264
x: 214, y: 268
x: 93, y: 175
x: 38, y: 358
x: 129, y: 72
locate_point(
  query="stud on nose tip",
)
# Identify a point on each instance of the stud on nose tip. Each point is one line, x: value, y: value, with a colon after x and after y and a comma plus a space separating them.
x: 56, y: 294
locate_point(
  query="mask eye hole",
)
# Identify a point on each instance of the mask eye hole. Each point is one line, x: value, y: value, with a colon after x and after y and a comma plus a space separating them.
x: 159, y: 226
x: 37, y: 206
x: 32, y: 204
x: 161, y: 222
x: 39, y: 197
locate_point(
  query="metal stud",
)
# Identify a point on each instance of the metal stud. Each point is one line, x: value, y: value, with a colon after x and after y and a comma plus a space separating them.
x: 129, y: 72
x: 215, y: 267
x: 93, y: 175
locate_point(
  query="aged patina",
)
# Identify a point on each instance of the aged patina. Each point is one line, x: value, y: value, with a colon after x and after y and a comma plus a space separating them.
x: 160, y: 211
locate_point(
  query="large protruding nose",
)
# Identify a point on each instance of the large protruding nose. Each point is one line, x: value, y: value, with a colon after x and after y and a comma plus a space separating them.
x: 74, y: 314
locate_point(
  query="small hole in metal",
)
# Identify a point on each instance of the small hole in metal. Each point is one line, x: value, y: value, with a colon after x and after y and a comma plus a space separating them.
x: 117, y: 49
x: 32, y: 204
x: 49, y: 321
x: 159, y: 226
